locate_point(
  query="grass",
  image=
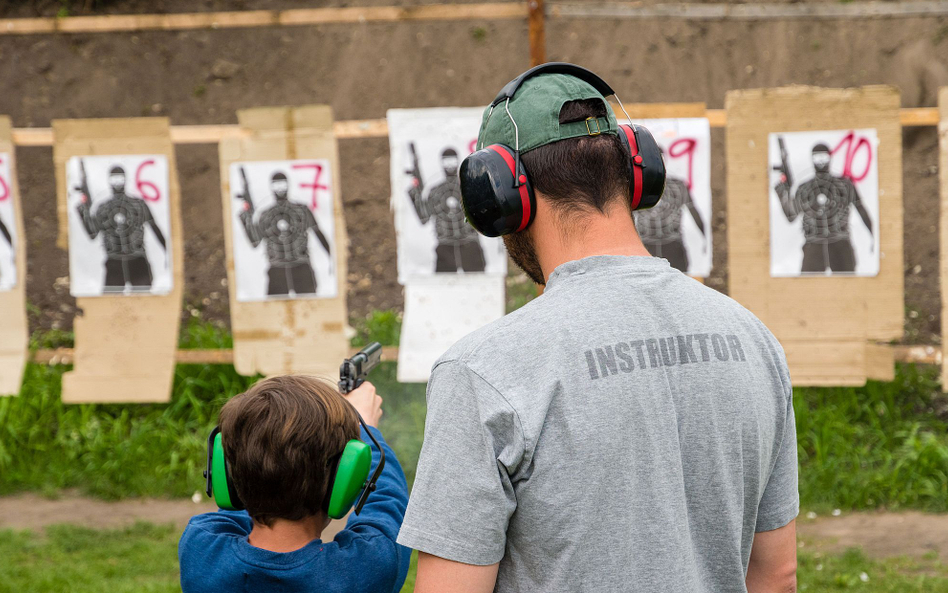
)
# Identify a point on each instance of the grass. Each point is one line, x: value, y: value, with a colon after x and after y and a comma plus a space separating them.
x: 115, y: 451
x: 66, y: 558
x: 882, y: 445
x: 852, y: 569
x: 143, y: 557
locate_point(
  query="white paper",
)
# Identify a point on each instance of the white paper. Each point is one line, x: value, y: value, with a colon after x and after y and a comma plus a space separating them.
x: 116, y: 248
x: 818, y: 229
x: 433, y: 235
x: 8, y: 245
x: 670, y: 229
x: 282, y: 255
x: 441, y: 311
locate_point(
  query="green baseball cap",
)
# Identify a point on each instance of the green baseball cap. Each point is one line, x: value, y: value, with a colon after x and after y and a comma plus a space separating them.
x: 535, y: 107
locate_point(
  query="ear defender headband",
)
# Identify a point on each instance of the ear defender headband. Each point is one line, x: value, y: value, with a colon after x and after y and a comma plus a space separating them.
x: 496, y: 192
x: 350, y: 476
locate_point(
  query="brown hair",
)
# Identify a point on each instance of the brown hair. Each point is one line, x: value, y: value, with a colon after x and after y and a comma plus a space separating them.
x: 580, y: 174
x: 281, y: 439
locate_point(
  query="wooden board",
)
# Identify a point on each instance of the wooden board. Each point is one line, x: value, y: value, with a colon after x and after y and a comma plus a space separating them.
x: 749, y: 11
x: 261, y: 18
x: 838, y: 362
x: 943, y: 227
x: 849, y: 311
x: 14, y: 333
x: 125, y: 345
x: 289, y: 336
x: 880, y: 362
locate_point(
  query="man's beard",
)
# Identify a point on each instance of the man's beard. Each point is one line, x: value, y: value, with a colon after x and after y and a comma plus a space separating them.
x: 522, y: 251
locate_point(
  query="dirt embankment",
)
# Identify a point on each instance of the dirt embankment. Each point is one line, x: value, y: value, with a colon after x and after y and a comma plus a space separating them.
x: 361, y: 70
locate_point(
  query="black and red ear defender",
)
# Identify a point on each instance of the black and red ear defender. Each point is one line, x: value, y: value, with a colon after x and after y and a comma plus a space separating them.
x: 496, y: 192
x: 647, y: 179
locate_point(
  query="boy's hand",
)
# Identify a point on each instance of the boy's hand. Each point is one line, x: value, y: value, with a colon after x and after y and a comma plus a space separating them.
x: 367, y: 403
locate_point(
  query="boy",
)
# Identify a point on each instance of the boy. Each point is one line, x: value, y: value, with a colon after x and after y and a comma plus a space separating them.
x: 281, y: 439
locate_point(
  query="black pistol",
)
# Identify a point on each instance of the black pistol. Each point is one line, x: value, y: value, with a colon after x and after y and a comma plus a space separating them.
x: 354, y: 371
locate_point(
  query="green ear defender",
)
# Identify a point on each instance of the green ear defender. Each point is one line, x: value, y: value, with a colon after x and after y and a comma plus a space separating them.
x: 351, y: 476
x: 217, y: 482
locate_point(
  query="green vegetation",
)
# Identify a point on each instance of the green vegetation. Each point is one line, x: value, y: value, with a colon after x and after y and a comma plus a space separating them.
x: 853, y: 570
x: 111, y: 451
x: 882, y: 445
x: 116, y: 451
x: 520, y: 291
x: 377, y: 326
x: 79, y: 560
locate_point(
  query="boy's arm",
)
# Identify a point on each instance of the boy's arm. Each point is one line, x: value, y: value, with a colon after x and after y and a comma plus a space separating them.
x: 385, y: 507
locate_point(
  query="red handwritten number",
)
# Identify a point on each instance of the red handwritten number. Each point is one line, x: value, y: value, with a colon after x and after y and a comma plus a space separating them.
x: 315, y: 185
x: 4, y: 188
x: 853, y: 145
x: 148, y: 190
x: 682, y: 147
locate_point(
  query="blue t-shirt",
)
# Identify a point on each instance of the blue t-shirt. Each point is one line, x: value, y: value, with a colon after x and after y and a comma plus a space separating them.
x: 215, y: 555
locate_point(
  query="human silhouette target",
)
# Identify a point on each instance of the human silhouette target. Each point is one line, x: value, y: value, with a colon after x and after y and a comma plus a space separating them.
x: 283, y: 229
x: 824, y: 203
x: 433, y: 235
x: 119, y: 218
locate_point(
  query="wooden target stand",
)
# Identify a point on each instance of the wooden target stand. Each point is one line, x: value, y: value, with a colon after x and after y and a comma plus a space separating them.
x: 831, y: 328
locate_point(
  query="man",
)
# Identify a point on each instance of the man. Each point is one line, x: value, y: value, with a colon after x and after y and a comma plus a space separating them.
x: 824, y: 201
x: 628, y: 430
x: 660, y: 227
x: 458, y: 245
x: 284, y: 226
x: 121, y: 220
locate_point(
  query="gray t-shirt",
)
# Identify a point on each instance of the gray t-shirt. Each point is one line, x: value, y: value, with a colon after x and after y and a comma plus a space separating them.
x: 628, y: 430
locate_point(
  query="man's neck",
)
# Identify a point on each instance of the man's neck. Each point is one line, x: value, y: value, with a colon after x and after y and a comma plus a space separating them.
x: 287, y: 536
x: 612, y: 233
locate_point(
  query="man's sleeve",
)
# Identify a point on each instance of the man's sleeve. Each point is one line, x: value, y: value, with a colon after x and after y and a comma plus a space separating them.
x: 463, y: 494
x: 780, y: 502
